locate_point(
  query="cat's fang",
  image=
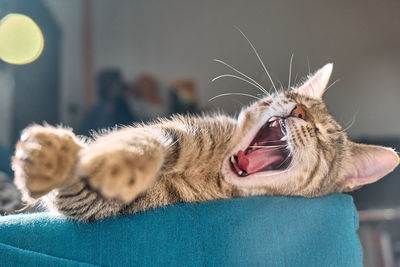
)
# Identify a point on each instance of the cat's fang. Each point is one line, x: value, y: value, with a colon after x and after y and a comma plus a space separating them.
x: 285, y: 138
x: 273, y: 124
x: 274, y: 118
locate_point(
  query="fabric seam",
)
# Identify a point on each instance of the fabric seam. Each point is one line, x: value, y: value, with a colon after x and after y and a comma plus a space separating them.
x: 44, y: 254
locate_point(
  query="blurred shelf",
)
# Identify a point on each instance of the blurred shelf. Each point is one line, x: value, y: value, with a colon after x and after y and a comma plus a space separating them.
x: 374, y: 215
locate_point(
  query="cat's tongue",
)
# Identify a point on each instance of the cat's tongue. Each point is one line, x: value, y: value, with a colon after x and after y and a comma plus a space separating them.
x: 258, y: 159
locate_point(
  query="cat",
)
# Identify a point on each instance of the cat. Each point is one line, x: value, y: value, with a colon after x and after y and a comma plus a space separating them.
x: 286, y: 143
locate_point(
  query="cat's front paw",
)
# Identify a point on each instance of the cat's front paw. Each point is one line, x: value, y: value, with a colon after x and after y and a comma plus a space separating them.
x: 118, y: 172
x: 44, y: 158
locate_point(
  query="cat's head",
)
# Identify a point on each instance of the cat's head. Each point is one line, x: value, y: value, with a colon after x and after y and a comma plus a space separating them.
x: 289, y: 144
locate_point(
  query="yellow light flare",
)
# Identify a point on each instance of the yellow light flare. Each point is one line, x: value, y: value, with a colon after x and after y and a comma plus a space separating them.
x: 21, y: 40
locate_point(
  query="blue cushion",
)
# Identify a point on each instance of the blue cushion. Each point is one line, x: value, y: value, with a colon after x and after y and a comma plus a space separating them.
x: 257, y: 231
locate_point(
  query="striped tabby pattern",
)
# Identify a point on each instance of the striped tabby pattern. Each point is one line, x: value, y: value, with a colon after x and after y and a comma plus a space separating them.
x: 185, y: 159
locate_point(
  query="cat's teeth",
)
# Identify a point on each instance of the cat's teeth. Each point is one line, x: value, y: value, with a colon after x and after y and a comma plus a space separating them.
x: 284, y: 138
x: 274, y: 124
x: 273, y: 119
x: 233, y: 160
x: 240, y: 172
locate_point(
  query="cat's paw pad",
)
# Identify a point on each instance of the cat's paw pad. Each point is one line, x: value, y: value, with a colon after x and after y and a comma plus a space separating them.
x: 43, y: 159
x: 117, y: 173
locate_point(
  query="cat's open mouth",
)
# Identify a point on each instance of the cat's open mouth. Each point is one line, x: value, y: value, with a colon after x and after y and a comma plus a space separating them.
x: 267, y: 151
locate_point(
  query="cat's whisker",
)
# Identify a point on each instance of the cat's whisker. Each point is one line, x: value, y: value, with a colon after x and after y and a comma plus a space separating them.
x: 290, y: 156
x: 244, y: 75
x: 280, y: 89
x: 240, y: 78
x: 271, y: 141
x: 295, y: 79
x: 272, y: 148
x: 290, y: 71
x: 292, y: 166
x: 332, y: 84
x: 293, y: 156
x: 351, y: 124
x: 227, y: 94
x: 286, y: 170
x: 258, y: 56
x: 277, y: 173
x: 283, y: 162
x: 267, y: 146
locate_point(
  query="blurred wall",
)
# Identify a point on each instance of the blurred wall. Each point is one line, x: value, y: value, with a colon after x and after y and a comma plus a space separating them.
x: 7, y: 93
x: 177, y: 38
x: 180, y: 38
x: 69, y: 17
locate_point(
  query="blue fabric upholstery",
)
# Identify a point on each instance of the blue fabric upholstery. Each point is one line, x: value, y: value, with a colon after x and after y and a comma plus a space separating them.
x: 258, y: 231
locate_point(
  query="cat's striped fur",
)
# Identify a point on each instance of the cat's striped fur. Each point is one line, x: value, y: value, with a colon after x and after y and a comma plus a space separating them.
x: 186, y: 159
x: 187, y: 168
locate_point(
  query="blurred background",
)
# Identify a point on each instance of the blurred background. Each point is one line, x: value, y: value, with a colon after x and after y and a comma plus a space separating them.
x: 107, y: 63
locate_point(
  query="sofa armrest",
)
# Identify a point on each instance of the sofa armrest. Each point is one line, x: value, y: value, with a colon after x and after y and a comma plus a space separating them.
x: 256, y: 231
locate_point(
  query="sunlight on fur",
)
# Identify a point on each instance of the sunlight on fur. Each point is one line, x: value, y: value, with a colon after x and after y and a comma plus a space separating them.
x: 285, y: 143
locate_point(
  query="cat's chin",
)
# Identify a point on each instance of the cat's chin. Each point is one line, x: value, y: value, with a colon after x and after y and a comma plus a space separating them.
x: 261, y: 157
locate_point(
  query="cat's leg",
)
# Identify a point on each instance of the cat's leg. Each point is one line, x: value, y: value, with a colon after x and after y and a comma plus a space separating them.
x: 45, y: 159
x: 110, y: 173
x: 45, y: 167
x: 87, y: 183
x: 123, y: 164
x: 103, y: 178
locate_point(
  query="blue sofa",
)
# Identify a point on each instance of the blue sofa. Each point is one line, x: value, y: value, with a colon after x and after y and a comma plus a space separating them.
x: 257, y: 231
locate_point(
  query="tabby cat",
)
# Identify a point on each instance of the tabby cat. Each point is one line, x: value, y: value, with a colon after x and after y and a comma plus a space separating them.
x: 284, y: 144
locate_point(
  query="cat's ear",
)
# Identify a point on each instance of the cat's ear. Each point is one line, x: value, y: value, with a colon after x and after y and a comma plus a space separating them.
x: 368, y: 164
x: 315, y: 86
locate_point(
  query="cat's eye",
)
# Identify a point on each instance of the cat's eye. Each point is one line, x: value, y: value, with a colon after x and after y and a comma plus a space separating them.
x: 298, y: 112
